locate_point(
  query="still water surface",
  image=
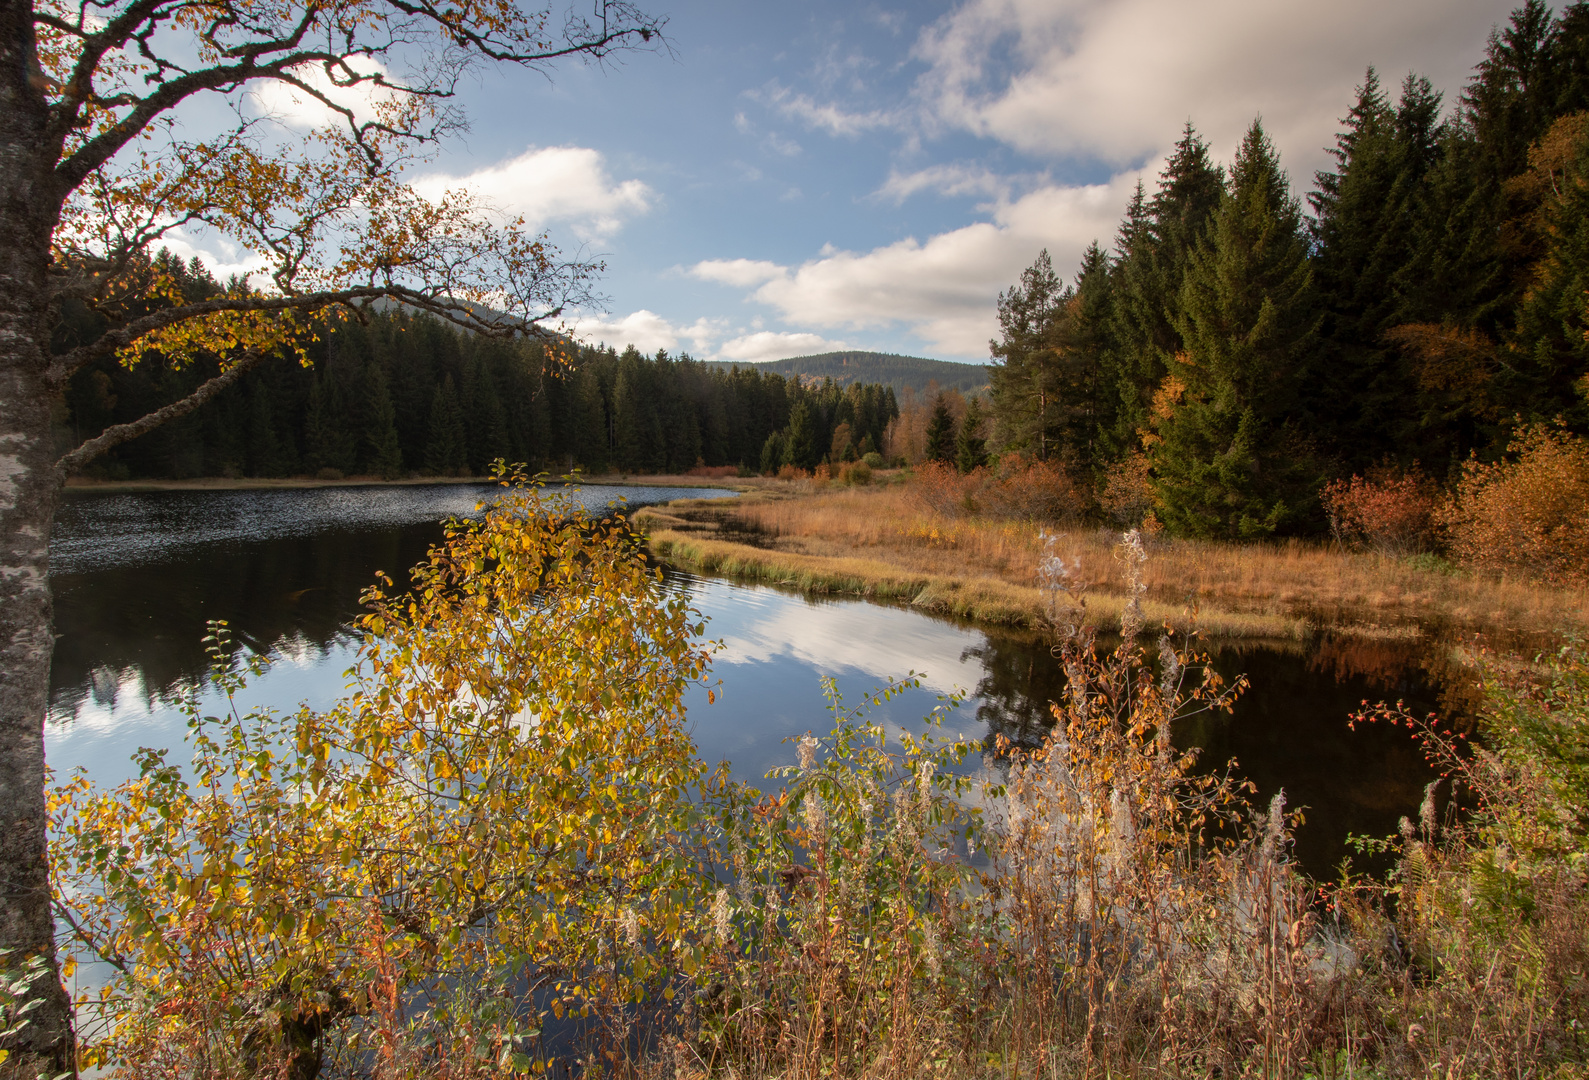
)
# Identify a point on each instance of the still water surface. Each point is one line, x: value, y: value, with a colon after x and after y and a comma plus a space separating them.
x: 137, y: 575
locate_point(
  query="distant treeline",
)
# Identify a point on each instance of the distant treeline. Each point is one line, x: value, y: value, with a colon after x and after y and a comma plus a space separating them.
x: 402, y: 394
x: 1234, y: 353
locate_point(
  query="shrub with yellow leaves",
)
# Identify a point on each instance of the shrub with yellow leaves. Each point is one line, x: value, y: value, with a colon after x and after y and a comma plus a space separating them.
x: 507, y: 783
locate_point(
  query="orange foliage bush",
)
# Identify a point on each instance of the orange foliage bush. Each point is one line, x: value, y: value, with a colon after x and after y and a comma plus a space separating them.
x: 1526, y: 513
x: 1018, y: 487
x: 1390, y: 511
x: 1127, y: 492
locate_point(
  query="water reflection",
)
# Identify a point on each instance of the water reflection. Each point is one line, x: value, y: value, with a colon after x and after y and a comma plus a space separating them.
x: 131, y: 609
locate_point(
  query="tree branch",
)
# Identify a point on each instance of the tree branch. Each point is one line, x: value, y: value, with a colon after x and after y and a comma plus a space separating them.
x: 120, y: 433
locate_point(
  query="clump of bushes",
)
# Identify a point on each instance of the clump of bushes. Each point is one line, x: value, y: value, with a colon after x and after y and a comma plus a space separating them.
x: 1016, y: 486
x: 1526, y: 513
x: 1390, y: 511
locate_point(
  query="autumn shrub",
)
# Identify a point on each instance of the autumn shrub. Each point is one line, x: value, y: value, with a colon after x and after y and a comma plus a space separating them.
x: 508, y: 777
x: 1490, y: 909
x: 855, y: 474
x: 1525, y: 513
x: 1390, y: 511
x: 1017, y: 487
x: 1126, y: 494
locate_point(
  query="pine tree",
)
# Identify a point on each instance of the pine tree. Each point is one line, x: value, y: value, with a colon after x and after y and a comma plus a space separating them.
x: 773, y: 453
x: 446, y: 442
x: 1022, y: 377
x: 1364, y: 235
x: 1155, y: 244
x: 971, y: 449
x: 1230, y: 462
x: 383, y: 452
x: 941, y: 432
x: 801, y: 448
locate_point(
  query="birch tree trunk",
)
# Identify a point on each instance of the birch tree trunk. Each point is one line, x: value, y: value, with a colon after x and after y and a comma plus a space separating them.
x: 29, y: 488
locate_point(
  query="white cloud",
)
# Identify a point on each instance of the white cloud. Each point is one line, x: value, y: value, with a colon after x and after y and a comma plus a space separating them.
x: 1115, y: 79
x: 648, y: 332
x: 742, y: 273
x: 821, y: 116
x: 552, y: 184
x: 295, y: 108
x: 944, y: 290
x: 955, y: 179
x: 774, y: 345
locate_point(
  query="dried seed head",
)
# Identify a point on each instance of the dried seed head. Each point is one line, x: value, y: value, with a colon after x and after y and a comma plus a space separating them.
x: 629, y: 923
x: 816, y: 816
x: 720, y: 916
x: 808, y: 753
x: 929, y: 945
x: 1426, y: 809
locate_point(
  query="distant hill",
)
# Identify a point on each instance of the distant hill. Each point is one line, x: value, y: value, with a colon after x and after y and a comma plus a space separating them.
x: 875, y: 367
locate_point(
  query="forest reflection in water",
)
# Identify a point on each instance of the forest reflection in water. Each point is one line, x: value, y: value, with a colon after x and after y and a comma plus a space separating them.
x: 130, y: 642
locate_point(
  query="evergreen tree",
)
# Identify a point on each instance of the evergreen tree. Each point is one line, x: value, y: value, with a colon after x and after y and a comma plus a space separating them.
x: 971, y: 449
x: 383, y: 452
x: 801, y: 448
x: 1230, y: 460
x: 1155, y: 244
x: 773, y: 453
x: 1022, y: 376
x: 446, y: 443
x: 1365, y: 239
x: 941, y: 433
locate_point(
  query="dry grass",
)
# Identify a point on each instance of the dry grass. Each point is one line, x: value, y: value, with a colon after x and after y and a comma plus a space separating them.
x: 884, y: 541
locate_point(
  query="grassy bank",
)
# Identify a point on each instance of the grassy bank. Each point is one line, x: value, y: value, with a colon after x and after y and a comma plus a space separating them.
x: 886, y: 541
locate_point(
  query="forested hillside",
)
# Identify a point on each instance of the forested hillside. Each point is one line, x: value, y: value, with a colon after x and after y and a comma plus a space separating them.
x: 1233, y: 352
x: 898, y: 372
x: 403, y: 395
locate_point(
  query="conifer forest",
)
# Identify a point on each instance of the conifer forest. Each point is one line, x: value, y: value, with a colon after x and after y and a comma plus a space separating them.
x: 1249, y: 338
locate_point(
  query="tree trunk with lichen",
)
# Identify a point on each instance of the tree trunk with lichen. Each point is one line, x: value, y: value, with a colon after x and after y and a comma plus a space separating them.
x: 29, y: 488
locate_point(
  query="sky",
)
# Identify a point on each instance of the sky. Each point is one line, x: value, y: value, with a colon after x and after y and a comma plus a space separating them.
x: 792, y: 178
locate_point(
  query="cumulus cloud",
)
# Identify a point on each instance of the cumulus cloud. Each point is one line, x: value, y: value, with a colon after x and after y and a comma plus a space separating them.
x: 298, y: 109
x: 648, y: 332
x: 1115, y: 79
x: 567, y: 184
x: 944, y: 290
x: 742, y: 273
x: 706, y: 339
x: 774, y: 345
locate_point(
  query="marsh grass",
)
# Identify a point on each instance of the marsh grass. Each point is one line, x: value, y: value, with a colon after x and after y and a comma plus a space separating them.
x: 881, y: 540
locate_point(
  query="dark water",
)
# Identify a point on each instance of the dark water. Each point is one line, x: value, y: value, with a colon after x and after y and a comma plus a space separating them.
x: 137, y: 576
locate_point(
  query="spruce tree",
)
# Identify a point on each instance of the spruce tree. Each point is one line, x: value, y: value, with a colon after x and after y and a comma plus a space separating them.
x: 1023, y: 377
x: 1230, y: 461
x: 941, y: 432
x: 446, y: 442
x: 383, y: 452
x: 971, y: 449
x: 1156, y: 243
x: 772, y: 454
x: 1365, y: 237
x: 801, y: 448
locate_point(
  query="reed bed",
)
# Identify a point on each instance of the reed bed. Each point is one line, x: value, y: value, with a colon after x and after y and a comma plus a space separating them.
x: 866, y: 537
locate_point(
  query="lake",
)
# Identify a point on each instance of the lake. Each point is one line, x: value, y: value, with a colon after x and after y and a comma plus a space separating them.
x: 136, y: 576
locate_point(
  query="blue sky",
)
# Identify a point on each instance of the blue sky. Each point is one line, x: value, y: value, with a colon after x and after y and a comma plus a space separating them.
x: 795, y: 177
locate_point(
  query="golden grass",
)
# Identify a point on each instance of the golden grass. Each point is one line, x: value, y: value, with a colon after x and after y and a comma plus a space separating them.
x: 884, y: 541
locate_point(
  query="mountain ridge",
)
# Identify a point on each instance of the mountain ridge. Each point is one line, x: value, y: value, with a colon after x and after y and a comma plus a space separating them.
x: 891, y: 369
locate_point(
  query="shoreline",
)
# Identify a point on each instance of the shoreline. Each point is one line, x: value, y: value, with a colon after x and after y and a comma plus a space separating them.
x: 81, y: 486
x: 870, y: 543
